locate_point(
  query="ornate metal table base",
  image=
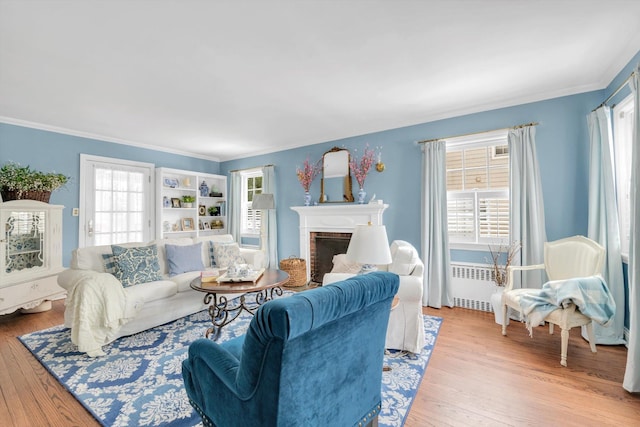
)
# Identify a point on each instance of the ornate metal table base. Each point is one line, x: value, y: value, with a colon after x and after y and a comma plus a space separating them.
x: 222, y: 312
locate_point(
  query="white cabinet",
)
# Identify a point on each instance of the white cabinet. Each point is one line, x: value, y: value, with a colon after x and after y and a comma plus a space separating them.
x: 30, y: 254
x: 207, y: 214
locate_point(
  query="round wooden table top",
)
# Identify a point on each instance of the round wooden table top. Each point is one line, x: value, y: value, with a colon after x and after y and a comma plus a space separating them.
x: 271, y: 278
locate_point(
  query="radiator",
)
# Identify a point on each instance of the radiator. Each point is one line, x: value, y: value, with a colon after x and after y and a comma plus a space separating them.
x: 472, y: 286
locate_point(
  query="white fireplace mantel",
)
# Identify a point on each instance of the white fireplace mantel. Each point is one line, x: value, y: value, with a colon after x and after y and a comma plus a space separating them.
x: 338, y: 218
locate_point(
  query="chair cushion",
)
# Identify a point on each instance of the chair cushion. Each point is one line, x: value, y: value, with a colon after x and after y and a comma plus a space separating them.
x: 136, y: 265
x: 182, y: 259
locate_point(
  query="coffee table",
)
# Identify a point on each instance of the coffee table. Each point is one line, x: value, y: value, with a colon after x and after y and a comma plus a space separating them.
x: 223, y: 312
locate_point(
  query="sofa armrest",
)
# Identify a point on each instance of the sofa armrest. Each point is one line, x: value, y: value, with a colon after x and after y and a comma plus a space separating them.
x: 255, y: 257
x: 410, y: 288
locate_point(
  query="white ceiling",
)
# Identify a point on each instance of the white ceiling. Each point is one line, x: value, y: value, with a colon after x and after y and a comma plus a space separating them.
x: 229, y: 79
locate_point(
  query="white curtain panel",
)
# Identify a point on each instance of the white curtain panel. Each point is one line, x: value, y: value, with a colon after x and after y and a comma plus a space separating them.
x: 526, y: 224
x: 235, y: 206
x: 269, y: 187
x: 603, y: 221
x: 631, y: 381
x: 435, y: 239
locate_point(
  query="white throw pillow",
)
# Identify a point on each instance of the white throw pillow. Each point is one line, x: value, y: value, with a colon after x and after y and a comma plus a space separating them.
x: 343, y: 265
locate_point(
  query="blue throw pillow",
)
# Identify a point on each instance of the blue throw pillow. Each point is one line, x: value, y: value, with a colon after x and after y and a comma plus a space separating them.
x: 136, y: 265
x: 110, y: 265
x: 212, y: 257
x: 182, y: 259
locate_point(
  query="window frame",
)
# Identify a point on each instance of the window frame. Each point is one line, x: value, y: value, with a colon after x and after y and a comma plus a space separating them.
x: 245, y: 205
x: 490, y: 139
x: 622, y: 145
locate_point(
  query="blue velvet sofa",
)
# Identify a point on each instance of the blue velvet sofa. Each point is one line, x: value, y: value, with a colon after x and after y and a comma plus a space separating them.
x: 311, y: 359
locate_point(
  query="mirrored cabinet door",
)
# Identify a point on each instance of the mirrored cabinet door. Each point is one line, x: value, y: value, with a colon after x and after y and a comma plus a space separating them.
x: 30, y: 254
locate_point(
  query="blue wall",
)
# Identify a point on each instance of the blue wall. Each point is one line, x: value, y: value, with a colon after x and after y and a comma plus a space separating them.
x: 50, y: 151
x: 562, y: 144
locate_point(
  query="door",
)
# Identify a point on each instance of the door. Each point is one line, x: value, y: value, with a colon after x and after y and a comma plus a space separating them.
x: 116, y: 201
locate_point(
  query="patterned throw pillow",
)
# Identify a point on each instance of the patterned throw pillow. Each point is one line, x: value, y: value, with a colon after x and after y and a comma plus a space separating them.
x: 227, y: 254
x: 212, y: 255
x: 110, y: 265
x: 136, y: 265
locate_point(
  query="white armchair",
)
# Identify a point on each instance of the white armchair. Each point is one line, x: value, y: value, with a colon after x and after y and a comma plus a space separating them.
x: 572, y: 257
x: 406, y: 327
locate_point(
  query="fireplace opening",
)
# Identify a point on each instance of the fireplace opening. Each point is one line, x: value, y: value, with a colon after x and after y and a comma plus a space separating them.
x: 323, y: 246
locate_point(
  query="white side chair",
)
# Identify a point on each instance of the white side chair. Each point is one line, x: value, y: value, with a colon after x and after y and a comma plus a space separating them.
x: 406, y: 327
x: 567, y: 258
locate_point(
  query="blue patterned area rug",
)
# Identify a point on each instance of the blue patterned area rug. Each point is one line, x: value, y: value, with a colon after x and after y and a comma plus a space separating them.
x: 139, y: 381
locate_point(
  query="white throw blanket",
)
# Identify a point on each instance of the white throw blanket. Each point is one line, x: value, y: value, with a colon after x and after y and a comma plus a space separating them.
x: 589, y: 294
x: 98, y: 302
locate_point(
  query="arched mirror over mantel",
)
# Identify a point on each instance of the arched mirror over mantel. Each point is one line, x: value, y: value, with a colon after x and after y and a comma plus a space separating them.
x: 335, y: 185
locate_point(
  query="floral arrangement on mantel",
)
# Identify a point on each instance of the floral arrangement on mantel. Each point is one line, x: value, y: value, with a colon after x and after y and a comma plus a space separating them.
x: 499, y: 269
x: 360, y: 168
x: 307, y: 174
x: 22, y: 182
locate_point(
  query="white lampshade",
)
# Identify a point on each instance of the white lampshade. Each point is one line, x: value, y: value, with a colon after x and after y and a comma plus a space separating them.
x: 263, y: 201
x: 369, y: 245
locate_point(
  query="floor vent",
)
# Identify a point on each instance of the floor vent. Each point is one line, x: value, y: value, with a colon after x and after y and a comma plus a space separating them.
x: 472, y: 286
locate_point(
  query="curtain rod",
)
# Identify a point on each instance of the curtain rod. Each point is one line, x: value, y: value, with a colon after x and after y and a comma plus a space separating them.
x: 248, y: 169
x: 615, y: 92
x: 476, y: 133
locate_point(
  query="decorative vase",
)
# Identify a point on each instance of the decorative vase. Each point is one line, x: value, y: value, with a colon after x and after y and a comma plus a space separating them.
x: 204, y: 189
x: 307, y: 198
x: 496, y: 303
x: 361, y: 195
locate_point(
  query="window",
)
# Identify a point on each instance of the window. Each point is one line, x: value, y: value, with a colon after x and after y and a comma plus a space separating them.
x: 478, y: 188
x: 115, y: 202
x: 251, y: 185
x: 622, y: 137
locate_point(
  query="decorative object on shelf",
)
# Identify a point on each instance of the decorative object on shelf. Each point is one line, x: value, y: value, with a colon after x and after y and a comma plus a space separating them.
x: 217, y: 223
x: 214, y: 210
x: 170, y: 182
x: 175, y: 202
x: 166, y: 203
x: 361, y: 195
x: 21, y: 182
x: 187, y: 201
x: 215, y: 194
x: 379, y: 164
x: 202, y: 210
x: 166, y: 226
x: 360, y: 169
x: 306, y: 176
x: 186, y: 182
x: 206, y: 225
x: 187, y: 224
x: 204, y: 189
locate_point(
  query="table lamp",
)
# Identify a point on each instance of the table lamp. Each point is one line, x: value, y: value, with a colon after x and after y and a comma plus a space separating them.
x: 369, y: 246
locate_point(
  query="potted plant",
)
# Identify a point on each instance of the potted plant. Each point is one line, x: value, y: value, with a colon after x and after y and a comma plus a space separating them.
x: 22, y: 182
x: 187, y: 201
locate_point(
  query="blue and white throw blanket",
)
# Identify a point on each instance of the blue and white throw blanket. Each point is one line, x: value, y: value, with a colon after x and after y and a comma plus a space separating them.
x: 589, y: 294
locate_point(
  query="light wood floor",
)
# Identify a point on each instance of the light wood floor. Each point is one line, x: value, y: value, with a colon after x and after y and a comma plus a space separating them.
x: 475, y: 377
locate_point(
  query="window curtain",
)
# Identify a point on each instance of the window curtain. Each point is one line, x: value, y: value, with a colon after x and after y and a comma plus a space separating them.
x: 269, y: 219
x: 526, y: 223
x: 435, y: 241
x: 603, y: 221
x: 235, y: 206
x: 632, y: 373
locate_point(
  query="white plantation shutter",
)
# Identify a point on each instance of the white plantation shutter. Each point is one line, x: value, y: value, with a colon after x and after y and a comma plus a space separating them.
x: 460, y: 217
x: 493, y: 215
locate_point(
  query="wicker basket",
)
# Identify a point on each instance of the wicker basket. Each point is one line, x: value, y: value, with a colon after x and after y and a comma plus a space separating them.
x: 42, y: 196
x: 297, y: 269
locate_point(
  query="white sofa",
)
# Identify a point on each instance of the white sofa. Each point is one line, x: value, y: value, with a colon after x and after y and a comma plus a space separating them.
x: 406, y: 327
x: 99, y: 309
